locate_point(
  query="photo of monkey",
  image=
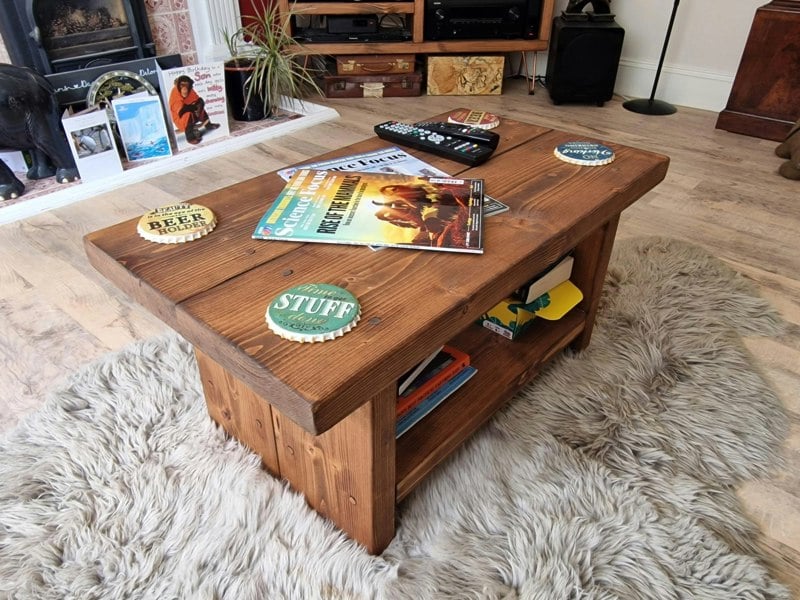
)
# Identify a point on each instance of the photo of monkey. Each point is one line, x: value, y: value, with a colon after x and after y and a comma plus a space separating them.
x: 187, y: 110
x: 195, y: 101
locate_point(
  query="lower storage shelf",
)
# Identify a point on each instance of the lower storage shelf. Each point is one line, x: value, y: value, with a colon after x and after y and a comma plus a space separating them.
x: 504, y: 366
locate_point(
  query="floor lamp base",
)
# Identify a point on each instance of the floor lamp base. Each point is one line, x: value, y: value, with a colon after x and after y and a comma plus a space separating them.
x: 645, y: 106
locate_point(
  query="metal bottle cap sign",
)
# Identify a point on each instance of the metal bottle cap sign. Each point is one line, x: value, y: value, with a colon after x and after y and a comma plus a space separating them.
x: 588, y: 154
x: 176, y: 223
x: 313, y: 312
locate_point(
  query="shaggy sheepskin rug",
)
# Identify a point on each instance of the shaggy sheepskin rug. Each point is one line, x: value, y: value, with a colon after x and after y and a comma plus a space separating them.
x: 611, y: 476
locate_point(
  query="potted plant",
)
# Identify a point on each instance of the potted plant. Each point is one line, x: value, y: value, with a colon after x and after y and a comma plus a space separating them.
x: 264, y: 63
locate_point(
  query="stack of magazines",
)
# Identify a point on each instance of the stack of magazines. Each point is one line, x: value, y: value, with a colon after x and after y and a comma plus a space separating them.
x: 382, y: 198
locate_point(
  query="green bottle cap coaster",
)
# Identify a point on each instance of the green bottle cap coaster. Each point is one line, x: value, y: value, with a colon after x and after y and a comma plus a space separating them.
x: 313, y: 312
x: 588, y: 154
x: 176, y: 223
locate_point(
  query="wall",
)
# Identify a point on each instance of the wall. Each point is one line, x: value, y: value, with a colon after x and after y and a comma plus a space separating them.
x: 703, y: 54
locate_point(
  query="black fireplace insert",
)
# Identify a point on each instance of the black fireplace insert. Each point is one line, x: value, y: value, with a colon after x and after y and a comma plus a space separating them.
x: 53, y: 36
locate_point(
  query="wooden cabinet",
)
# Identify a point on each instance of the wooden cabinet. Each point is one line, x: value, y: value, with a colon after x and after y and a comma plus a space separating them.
x: 764, y: 99
x: 416, y: 13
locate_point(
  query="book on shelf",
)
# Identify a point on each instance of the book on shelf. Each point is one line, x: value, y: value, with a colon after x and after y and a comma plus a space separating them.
x: 412, y: 416
x: 388, y: 160
x: 555, y: 274
x: 408, y: 377
x: 439, y: 369
x: 377, y: 209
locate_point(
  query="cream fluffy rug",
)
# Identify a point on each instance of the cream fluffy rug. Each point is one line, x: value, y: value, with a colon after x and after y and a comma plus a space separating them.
x: 610, y: 477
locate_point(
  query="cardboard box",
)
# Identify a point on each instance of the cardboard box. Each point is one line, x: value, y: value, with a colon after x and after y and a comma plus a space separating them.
x: 465, y: 75
x: 510, y: 318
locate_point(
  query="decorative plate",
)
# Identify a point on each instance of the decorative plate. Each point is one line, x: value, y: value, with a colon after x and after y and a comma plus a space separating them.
x: 116, y: 83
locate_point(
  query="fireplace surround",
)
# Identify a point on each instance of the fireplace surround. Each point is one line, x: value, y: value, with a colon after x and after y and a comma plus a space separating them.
x: 192, y: 29
x: 53, y: 36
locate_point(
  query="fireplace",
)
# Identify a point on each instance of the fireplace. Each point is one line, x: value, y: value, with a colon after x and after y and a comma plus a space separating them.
x: 54, y: 36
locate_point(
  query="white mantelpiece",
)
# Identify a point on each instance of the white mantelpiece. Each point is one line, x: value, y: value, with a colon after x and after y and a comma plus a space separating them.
x: 209, y: 19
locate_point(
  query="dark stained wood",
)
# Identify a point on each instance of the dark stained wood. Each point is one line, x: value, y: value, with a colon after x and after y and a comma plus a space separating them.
x: 332, y: 404
x: 554, y: 205
x: 765, y: 99
x: 591, y: 263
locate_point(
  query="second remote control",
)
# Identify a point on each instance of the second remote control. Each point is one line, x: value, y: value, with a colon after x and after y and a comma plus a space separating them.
x: 473, y: 134
x: 454, y: 148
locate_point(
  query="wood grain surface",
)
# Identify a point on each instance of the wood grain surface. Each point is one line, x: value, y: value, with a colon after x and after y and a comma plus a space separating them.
x: 554, y: 205
x: 722, y: 192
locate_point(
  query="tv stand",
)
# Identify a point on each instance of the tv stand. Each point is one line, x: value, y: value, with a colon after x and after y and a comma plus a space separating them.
x: 417, y: 44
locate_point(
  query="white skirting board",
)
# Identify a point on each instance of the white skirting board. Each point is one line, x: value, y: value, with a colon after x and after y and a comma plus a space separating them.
x: 681, y: 86
x: 312, y: 115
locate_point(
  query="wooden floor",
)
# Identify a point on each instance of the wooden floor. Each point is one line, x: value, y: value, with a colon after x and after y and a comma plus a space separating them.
x: 722, y: 192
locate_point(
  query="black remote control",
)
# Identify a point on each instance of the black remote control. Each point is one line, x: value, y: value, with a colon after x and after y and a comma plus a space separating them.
x: 473, y: 134
x: 449, y: 146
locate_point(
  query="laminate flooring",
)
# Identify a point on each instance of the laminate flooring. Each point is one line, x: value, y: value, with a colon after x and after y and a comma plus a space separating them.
x: 722, y: 192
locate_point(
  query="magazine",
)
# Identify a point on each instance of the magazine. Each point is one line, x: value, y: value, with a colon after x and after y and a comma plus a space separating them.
x: 447, y: 362
x: 379, y: 209
x: 408, y: 378
x: 388, y: 160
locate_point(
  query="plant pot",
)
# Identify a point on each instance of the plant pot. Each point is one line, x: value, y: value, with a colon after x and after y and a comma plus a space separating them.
x: 236, y: 90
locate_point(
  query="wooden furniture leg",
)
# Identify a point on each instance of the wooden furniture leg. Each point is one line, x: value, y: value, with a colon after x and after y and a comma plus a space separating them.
x: 240, y: 412
x: 347, y: 473
x: 589, y: 273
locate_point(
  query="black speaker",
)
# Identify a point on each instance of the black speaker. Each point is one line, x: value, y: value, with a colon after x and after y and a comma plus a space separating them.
x: 583, y: 59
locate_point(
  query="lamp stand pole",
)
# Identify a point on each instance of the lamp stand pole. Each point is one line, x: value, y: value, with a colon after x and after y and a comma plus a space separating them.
x: 651, y: 106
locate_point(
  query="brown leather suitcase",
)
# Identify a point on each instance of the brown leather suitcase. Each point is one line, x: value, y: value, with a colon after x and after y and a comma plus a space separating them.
x: 374, y: 64
x: 372, y: 86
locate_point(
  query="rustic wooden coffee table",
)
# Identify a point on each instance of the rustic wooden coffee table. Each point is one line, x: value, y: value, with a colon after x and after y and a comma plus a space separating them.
x: 322, y: 415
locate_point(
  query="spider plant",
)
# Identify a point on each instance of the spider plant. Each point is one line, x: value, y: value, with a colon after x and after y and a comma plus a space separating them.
x: 266, y: 62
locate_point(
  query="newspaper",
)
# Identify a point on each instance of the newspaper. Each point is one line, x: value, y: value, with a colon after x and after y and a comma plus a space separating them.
x: 388, y: 160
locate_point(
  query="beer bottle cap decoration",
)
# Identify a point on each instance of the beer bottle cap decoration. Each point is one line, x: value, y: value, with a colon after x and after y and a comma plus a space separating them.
x: 313, y: 312
x: 474, y: 118
x: 176, y: 223
x: 588, y: 154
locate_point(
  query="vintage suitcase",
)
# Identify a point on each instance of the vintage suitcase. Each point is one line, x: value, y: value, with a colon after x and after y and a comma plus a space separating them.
x: 372, y: 86
x: 374, y: 64
x: 465, y: 75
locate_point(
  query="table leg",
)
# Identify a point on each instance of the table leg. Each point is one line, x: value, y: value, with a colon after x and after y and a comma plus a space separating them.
x: 238, y: 410
x: 346, y: 473
x: 589, y: 273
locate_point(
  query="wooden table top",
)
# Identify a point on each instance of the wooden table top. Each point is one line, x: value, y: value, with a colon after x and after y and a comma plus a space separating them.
x: 214, y: 291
